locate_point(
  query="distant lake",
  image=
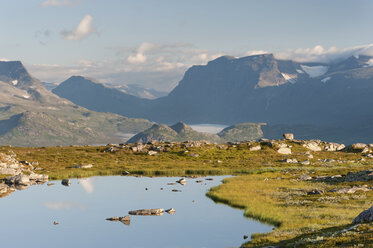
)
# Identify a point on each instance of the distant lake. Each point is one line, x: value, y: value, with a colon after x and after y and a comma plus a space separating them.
x: 208, y: 128
x: 82, y: 208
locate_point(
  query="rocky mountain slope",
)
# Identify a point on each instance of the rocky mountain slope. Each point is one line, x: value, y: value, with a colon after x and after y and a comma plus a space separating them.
x: 30, y: 115
x: 258, y: 89
x: 180, y: 132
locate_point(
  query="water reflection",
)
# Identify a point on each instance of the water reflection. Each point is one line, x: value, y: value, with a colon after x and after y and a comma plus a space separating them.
x: 82, y: 209
x: 87, y: 184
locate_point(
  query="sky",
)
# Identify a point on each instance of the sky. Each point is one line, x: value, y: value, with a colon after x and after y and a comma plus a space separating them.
x: 153, y: 42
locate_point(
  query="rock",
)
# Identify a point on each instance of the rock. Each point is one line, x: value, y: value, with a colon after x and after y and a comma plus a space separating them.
x: 38, y: 177
x: 65, y: 182
x: 352, y: 190
x: 194, y: 155
x: 305, y: 162
x: 199, y: 181
x: 50, y: 184
x: 55, y: 223
x: 328, y: 160
x: 176, y: 190
x: 313, y: 146
x: 315, y: 192
x: 152, y: 153
x: 357, y: 147
x: 365, y: 216
x: 171, y: 211
x: 112, y: 149
x: 19, y: 179
x: 83, y: 166
x: 153, y: 211
x: 182, y: 181
x: 290, y: 161
x: 288, y: 136
x: 125, y: 173
x: 332, y: 147
x: 365, y: 150
x: 361, y: 176
x: 113, y: 218
x: 285, y: 151
x: 255, y: 148
x: 209, y: 179
x: 245, y: 237
x: 305, y: 177
x: 9, y: 171
x: 368, y: 156
x: 125, y: 218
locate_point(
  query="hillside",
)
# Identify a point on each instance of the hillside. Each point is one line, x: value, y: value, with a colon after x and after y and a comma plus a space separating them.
x: 178, y: 132
x: 30, y: 115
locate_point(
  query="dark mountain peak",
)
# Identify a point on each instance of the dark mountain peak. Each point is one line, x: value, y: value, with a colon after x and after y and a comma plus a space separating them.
x: 76, y: 79
x: 222, y: 59
x: 13, y: 72
x: 180, y: 127
x: 158, y: 126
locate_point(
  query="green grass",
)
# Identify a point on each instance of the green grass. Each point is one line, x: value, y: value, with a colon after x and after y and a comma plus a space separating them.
x: 267, y: 190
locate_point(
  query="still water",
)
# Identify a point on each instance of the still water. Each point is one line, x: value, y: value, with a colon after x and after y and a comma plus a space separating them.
x: 81, y: 209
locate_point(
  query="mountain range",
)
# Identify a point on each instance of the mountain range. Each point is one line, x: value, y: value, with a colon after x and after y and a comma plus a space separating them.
x: 317, y: 99
x: 30, y: 115
x: 180, y: 132
x: 130, y: 89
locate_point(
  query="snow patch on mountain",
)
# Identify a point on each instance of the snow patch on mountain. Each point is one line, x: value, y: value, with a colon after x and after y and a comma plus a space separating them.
x: 300, y: 71
x: 369, y: 62
x: 290, y: 78
x: 324, y: 80
x: 315, y: 71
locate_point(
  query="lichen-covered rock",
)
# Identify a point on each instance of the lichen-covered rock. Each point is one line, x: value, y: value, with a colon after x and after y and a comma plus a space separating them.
x: 288, y: 136
x: 284, y: 150
x: 313, y: 146
x: 365, y: 216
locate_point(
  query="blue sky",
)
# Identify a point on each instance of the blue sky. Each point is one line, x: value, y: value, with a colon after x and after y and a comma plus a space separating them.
x: 152, y: 43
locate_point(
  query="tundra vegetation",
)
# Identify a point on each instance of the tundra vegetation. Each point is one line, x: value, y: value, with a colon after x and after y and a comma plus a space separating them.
x: 311, y: 195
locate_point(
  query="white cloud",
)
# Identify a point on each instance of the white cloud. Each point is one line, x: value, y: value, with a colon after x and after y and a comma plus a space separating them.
x: 256, y: 52
x: 87, y: 185
x: 83, y: 29
x: 140, y: 57
x: 59, y: 3
x: 325, y: 55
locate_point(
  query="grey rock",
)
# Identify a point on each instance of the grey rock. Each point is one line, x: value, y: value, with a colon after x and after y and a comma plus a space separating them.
x: 288, y: 136
x: 65, y: 182
x: 19, y: 179
x: 290, y: 161
x: 170, y: 211
x: 255, y: 148
x: 313, y: 146
x: 365, y: 216
x: 285, y: 151
x: 305, y: 177
x: 305, y: 162
x: 182, y: 181
x: 152, y: 153
x: 152, y: 211
x: 83, y: 166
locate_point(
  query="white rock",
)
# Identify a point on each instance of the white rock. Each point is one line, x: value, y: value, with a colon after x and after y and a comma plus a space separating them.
x: 284, y: 150
x: 255, y: 148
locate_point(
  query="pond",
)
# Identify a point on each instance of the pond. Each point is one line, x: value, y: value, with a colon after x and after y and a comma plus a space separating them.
x: 82, y: 208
